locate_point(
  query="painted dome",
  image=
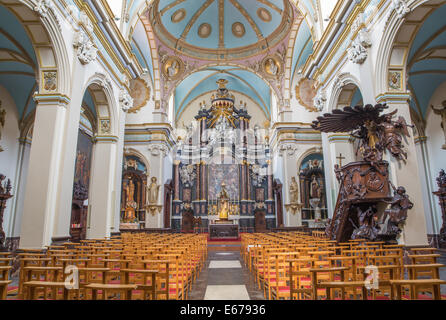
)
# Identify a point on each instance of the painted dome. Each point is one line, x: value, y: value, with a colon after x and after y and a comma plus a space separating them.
x: 221, y: 29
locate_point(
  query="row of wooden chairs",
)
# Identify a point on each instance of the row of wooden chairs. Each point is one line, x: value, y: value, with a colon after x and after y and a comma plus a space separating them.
x: 131, y: 266
x: 295, y: 265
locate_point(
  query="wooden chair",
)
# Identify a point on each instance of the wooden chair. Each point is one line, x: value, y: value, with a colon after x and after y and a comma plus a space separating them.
x: 106, y: 289
x: 415, y: 285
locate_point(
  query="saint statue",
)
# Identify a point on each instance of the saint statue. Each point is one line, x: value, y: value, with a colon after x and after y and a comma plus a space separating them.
x: 224, y: 203
x: 442, y: 112
x: 130, y: 204
x: 315, y: 190
x: 152, y: 192
x: 294, y: 191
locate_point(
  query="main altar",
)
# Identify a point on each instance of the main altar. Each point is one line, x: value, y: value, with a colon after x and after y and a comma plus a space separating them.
x: 222, y: 175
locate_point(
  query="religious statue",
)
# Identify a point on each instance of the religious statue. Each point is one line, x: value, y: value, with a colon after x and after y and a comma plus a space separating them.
x: 442, y: 112
x: 2, y: 122
x: 5, y: 194
x: 294, y: 191
x: 397, y: 212
x: 315, y: 188
x: 441, y: 194
x: 367, y: 225
x: 223, y: 198
x: 130, y: 204
x: 131, y: 163
x: 152, y: 192
x: 392, y: 134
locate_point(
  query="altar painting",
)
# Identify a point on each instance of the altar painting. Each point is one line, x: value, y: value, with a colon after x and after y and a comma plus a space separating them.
x: 227, y: 173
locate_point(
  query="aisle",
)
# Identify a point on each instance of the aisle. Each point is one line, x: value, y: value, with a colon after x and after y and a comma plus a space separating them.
x: 225, y: 278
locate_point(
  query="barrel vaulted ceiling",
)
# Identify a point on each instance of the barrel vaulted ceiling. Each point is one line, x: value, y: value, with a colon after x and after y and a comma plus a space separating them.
x: 18, y: 62
x: 207, y: 33
x: 427, y: 59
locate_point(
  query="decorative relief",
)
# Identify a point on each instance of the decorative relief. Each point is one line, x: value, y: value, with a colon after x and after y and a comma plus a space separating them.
x: 157, y: 149
x: 178, y: 15
x: 86, y: 22
x: 305, y: 93
x: 204, y: 30
x: 395, y: 83
x: 238, y: 29
x: 172, y: 68
x: 288, y: 148
x: 86, y: 51
x: 105, y: 126
x: 125, y: 100
x: 271, y: 66
x: 43, y: 7
x: 358, y: 51
x: 400, y: 7
x: 319, y: 100
x: 50, y: 80
x: 264, y: 15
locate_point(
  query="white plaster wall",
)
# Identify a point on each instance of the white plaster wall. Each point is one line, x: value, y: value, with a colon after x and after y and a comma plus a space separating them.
x: 10, y: 144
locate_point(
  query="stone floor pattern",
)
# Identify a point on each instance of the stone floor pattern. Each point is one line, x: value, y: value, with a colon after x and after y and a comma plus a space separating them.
x: 225, y: 278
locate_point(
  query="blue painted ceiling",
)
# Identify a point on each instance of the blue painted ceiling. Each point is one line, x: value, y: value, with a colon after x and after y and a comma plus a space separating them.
x: 427, y: 60
x: 184, y: 18
x: 239, y: 80
x: 18, y: 63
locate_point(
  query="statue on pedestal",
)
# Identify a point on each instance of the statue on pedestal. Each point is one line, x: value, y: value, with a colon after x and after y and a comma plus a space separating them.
x: 397, y: 213
x: 5, y: 194
x: 223, y: 198
x: 152, y: 192
x: 294, y: 191
x: 442, y: 112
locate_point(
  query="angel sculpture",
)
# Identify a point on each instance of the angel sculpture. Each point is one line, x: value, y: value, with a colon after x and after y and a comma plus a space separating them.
x: 392, y: 132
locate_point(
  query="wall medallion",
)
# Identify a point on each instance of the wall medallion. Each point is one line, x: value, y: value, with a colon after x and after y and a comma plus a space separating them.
x: 305, y: 93
x: 178, y: 15
x: 204, y: 30
x: 173, y: 68
x: 140, y: 93
x: 271, y: 66
x: 264, y: 15
x: 238, y: 29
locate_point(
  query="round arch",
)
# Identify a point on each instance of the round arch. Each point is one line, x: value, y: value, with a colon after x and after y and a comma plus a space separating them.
x: 99, y: 87
x: 344, y: 82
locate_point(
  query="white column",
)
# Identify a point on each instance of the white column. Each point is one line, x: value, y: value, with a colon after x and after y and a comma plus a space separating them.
x: 118, y: 183
x: 42, y: 188
x: 156, y: 160
x: 408, y: 175
x: 62, y: 217
x: 102, y: 188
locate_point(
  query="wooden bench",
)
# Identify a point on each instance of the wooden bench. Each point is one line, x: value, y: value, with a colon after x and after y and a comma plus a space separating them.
x: 148, y: 289
x: 30, y: 287
x: 125, y: 288
x: 414, y: 285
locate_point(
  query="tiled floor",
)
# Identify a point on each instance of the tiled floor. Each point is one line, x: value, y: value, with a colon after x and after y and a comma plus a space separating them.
x: 225, y: 278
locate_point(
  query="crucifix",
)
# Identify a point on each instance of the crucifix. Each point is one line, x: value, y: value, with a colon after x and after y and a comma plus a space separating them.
x: 340, y: 158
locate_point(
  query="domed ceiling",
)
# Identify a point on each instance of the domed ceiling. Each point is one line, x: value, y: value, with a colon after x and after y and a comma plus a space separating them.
x: 221, y: 29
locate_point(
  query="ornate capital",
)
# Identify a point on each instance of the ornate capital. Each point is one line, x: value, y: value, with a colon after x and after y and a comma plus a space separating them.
x: 358, y: 51
x: 319, y: 100
x: 400, y: 7
x: 125, y: 100
x: 43, y: 7
x: 86, y: 51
